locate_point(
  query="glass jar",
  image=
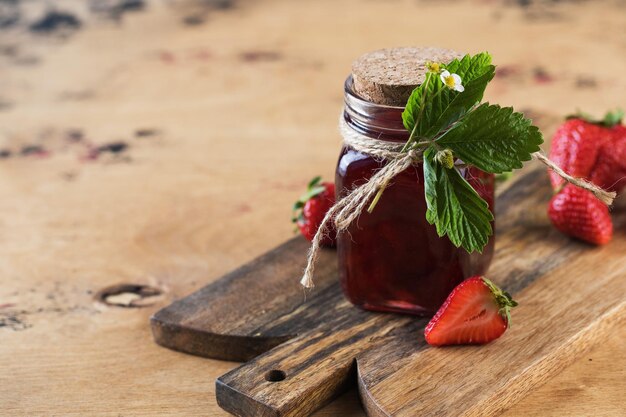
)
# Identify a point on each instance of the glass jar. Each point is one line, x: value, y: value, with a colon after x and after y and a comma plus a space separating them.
x: 392, y: 259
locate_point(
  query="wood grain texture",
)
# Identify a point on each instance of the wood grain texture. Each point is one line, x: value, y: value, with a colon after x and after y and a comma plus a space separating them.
x: 321, y: 343
x: 205, y: 192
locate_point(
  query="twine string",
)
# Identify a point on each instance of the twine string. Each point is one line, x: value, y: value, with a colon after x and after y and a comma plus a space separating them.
x: 606, y: 197
x: 349, y: 208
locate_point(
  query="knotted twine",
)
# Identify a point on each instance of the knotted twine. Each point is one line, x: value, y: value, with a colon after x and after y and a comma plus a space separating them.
x: 349, y: 208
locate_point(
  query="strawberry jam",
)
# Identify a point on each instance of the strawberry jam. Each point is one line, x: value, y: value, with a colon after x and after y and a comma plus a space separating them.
x: 392, y: 259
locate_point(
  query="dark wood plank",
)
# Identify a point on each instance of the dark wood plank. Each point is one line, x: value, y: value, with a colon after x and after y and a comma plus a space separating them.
x: 317, y: 345
x: 248, y: 311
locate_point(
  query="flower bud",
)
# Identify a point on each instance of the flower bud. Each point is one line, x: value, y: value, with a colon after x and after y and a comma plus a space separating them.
x: 445, y: 158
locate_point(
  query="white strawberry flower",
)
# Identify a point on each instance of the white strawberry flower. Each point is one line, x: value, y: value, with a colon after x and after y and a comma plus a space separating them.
x: 452, y: 81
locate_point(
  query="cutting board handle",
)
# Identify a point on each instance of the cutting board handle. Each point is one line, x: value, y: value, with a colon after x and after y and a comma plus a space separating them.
x: 286, y: 382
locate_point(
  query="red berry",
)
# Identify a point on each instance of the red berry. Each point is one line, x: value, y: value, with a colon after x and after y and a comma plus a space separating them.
x: 609, y: 171
x: 314, y: 205
x: 476, y: 312
x: 575, y: 147
x: 594, y: 150
x: 579, y: 213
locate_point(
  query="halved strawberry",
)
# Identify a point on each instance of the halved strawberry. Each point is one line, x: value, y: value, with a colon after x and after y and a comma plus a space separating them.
x: 311, y: 208
x: 475, y: 312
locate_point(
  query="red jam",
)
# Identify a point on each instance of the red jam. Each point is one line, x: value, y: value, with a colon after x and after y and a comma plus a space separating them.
x: 392, y: 259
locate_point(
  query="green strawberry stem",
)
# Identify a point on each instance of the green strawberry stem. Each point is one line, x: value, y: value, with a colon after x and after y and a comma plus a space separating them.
x: 408, y: 143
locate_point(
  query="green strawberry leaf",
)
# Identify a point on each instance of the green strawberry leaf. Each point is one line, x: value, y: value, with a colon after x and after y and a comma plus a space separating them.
x: 610, y: 119
x: 314, y: 188
x: 314, y: 182
x: 493, y: 138
x: 312, y: 192
x: 454, y: 207
x: 613, y: 118
x: 434, y: 107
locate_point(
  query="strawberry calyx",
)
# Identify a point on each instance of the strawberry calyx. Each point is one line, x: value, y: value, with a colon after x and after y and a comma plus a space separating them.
x: 503, y: 299
x: 314, y: 188
x: 610, y: 119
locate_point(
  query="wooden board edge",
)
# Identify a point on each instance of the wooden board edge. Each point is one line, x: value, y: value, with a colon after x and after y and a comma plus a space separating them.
x: 168, y: 331
x: 369, y: 404
x: 211, y: 345
x: 239, y: 404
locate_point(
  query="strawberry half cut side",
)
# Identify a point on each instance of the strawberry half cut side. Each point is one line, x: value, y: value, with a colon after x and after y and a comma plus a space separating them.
x: 476, y: 312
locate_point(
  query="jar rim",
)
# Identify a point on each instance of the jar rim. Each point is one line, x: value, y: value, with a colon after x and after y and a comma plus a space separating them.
x: 349, y: 92
x: 380, y: 121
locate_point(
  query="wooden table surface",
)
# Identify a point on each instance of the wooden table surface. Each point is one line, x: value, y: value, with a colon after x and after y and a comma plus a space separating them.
x: 162, y: 144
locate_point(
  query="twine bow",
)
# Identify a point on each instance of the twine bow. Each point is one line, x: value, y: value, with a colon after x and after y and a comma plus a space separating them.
x: 350, y: 207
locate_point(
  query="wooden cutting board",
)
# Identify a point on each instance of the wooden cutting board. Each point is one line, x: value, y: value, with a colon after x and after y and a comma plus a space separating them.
x: 303, y: 351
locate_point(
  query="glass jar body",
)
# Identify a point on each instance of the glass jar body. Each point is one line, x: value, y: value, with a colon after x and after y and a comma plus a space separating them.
x: 392, y: 259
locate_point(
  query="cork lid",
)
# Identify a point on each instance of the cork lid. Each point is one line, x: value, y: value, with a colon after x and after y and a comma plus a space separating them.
x: 388, y: 76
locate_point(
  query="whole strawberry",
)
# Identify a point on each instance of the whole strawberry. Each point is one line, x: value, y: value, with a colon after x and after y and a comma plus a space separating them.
x: 575, y: 147
x: 594, y: 150
x: 578, y: 213
x: 476, y: 312
x: 310, y: 209
x: 609, y: 171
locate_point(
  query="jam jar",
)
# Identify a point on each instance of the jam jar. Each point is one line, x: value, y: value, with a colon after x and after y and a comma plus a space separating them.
x: 392, y: 259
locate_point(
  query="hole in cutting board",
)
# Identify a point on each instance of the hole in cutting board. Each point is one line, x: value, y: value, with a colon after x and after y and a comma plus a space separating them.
x: 275, y: 375
x: 129, y: 295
